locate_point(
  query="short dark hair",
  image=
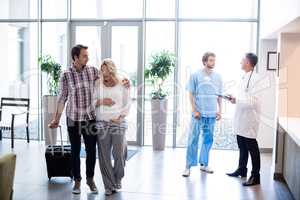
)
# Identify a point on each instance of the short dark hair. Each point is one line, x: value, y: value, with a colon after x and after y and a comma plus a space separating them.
x: 252, y: 58
x: 206, y: 56
x: 76, y: 50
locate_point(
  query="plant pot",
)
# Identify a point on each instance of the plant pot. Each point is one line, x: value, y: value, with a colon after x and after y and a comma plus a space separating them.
x: 49, y: 108
x: 159, y: 122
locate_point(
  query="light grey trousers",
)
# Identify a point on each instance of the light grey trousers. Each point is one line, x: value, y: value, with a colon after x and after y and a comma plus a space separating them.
x: 111, y: 140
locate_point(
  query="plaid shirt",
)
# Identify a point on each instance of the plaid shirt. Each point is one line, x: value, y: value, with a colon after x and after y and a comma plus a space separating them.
x: 76, y: 88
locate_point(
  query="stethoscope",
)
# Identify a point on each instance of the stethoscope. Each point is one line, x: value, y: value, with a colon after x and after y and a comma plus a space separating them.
x: 247, y: 87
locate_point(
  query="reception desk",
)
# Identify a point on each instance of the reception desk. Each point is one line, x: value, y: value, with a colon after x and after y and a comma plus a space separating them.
x: 287, y: 154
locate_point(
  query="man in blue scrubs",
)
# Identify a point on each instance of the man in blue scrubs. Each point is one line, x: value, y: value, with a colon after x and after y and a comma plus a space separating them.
x: 204, y: 88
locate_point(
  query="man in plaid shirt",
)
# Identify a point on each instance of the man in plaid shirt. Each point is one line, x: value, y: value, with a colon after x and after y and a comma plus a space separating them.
x: 76, y: 87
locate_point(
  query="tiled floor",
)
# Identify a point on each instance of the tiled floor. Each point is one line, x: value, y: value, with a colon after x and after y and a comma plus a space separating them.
x: 149, y: 176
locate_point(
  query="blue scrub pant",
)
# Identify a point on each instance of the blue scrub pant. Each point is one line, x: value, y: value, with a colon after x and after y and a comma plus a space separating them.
x: 204, y: 125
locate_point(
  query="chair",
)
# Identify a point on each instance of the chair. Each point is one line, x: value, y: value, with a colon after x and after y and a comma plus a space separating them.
x: 14, y: 102
x: 7, y: 174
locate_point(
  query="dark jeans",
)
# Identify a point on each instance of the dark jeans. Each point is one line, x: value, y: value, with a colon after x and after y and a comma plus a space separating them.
x: 246, y: 146
x: 86, y: 129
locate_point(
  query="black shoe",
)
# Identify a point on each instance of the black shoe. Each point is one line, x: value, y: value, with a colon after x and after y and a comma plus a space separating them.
x: 253, y: 180
x: 238, y: 172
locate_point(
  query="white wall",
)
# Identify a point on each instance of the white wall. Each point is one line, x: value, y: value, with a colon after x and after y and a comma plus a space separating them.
x: 277, y: 13
x: 289, y: 75
x: 267, y: 94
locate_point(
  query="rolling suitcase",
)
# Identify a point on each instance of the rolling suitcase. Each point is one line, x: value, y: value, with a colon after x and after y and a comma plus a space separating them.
x: 58, y: 159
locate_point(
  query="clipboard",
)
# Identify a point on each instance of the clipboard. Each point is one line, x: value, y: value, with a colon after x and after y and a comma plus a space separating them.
x: 226, y: 97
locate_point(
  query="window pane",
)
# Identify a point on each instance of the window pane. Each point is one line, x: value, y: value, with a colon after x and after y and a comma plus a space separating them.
x: 107, y: 9
x: 124, y: 52
x: 218, y: 8
x: 16, y: 9
x: 160, y: 8
x: 159, y: 36
x: 90, y: 36
x: 54, y: 9
x: 19, y: 73
x: 229, y: 41
x: 54, y: 43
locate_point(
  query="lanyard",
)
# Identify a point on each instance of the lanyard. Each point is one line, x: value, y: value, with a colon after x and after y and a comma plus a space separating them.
x: 247, y: 87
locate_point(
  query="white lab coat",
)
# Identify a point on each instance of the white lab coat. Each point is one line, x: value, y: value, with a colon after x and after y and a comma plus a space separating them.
x: 247, y: 112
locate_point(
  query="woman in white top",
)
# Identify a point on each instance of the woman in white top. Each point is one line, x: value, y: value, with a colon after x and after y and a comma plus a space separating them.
x: 112, y: 103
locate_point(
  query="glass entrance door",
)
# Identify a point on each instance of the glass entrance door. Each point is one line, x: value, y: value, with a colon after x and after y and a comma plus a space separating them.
x: 121, y: 41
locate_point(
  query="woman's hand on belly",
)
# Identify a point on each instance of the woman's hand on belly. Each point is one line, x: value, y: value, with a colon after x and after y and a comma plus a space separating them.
x: 118, y: 120
x: 105, y: 102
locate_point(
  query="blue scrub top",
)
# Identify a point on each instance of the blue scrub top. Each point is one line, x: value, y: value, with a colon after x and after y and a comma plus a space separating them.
x: 205, y: 88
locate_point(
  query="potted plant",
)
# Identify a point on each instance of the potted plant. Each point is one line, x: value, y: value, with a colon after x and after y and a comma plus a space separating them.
x: 53, y: 71
x: 160, y: 67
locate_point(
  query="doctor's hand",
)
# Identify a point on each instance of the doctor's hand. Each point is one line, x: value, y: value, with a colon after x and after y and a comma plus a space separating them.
x: 197, y: 114
x: 232, y: 99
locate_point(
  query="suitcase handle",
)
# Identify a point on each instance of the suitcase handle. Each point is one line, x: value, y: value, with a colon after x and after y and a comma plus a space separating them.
x: 62, y: 145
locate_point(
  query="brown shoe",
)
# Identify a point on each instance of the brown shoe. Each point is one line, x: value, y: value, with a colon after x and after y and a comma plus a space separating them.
x: 76, y: 188
x: 91, y: 183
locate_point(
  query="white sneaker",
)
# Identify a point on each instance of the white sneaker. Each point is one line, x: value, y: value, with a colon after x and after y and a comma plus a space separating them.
x: 108, y: 192
x: 206, y: 169
x: 186, y: 173
x: 118, y: 186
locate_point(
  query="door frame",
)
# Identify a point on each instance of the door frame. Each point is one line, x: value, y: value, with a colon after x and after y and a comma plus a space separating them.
x: 73, y: 26
x: 106, y: 40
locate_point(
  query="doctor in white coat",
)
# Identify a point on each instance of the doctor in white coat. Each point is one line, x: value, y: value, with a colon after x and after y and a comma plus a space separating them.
x: 246, y: 121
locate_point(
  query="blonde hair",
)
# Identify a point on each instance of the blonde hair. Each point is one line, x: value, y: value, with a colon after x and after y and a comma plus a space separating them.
x: 110, y: 66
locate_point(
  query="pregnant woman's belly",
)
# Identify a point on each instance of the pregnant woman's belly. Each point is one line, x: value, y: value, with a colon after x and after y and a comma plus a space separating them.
x: 106, y: 113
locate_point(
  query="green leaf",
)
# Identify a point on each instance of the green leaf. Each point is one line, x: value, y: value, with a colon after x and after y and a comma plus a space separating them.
x: 160, y: 67
x: 53, y: 71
